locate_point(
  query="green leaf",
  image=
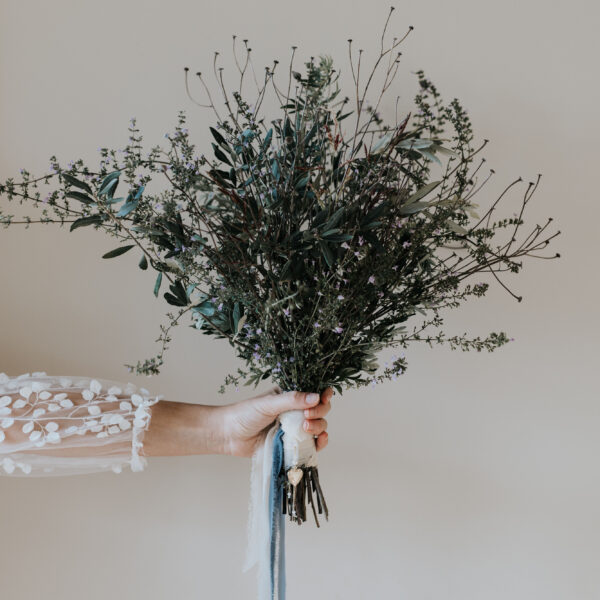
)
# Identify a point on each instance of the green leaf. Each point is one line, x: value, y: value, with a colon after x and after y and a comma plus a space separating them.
x: 302, y: 183
x: 179, y: 292
x: 81, y: 197
x: 422, y: 192
x: 127, y: 208
x: 413, y: 207
x: 206, y: 308
x: 84, y: 221
x: 221, y: 155
x: 173, y: 300
x: 109, y: 188
x: 157, y: 284
x: 143, y: 264
x: 75, y: 182
x: 382, y: 143
x: 107, y: 180
x: 428, y: 155
x: 267, y: 141
x: 241, y: 323
x: 456, y: 227
x: 275, y: 169
x: 118, y: 251
x: 236, y: 317
x: 327, y: 254
x: 340, y: 237
x: 334, y: 219
x: 218, y: 137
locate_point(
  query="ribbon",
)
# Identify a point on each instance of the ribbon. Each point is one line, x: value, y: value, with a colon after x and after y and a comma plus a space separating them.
x: 266, y: 521
x: 286, y: 449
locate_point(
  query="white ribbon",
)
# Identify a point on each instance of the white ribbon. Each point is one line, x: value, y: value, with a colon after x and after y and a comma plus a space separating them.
x: 299, y: 449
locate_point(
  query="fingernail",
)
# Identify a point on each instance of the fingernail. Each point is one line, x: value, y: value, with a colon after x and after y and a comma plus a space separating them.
x: 312, y: 398
x: 305, y: 425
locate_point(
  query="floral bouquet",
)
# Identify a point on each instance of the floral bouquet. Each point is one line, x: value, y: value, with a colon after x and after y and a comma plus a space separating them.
x: 311, y: 239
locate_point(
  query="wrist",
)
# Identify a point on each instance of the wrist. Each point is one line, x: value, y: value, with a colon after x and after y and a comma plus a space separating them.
x: 211, y: 435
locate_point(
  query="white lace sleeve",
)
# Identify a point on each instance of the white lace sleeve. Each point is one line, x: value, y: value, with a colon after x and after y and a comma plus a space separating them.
x: 51, y: 425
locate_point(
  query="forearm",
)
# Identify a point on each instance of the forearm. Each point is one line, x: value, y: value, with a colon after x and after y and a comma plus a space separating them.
x: 181, y: 428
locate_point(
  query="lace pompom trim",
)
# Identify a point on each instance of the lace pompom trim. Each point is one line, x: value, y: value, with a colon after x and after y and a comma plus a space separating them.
x: 141, y: 422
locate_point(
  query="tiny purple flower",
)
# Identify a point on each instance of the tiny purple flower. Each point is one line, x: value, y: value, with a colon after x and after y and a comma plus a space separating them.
x: 372, y: 279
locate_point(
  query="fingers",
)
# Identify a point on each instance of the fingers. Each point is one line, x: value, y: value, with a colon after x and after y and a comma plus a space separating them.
x: 315, y: 426
x: 322, y: 440
x: 326, y: 396
x: 322, y: 408
x: 318, y: 412
x: 279, y: 403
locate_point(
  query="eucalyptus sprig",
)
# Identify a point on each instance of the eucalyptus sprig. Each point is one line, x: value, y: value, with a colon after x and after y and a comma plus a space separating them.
x: 311, y: 239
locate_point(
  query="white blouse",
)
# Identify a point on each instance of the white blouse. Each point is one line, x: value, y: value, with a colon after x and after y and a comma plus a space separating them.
x: 66, y: 425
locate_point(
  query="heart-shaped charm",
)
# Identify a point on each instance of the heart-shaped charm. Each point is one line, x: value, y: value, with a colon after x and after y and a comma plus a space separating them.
x: 294, y: 476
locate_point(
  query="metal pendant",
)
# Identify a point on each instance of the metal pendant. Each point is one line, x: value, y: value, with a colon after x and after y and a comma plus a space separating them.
x: 294, y: 475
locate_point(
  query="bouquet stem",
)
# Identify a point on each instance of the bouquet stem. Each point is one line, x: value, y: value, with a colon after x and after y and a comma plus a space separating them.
x: 300, y: 474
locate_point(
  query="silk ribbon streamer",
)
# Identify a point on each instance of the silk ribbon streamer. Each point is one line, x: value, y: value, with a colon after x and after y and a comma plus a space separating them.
x: 285, y: 445
x: 266, y: 524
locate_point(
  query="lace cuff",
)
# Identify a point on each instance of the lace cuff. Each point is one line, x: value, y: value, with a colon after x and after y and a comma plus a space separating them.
x: 64, y: 425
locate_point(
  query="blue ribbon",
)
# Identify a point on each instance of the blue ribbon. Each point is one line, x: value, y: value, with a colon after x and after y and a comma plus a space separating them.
x: 277, y: 519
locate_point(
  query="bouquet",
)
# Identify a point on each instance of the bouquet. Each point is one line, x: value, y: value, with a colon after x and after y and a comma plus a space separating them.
x: 311, y: 238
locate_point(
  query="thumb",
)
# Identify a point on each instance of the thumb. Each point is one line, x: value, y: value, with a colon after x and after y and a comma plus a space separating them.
x: 278, y: 403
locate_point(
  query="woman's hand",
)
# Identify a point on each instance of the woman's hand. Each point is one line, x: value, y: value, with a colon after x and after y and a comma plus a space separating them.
x: 245, y: 423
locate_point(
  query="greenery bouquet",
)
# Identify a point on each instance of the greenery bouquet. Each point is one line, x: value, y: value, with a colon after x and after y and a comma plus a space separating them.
x: 311, y: 239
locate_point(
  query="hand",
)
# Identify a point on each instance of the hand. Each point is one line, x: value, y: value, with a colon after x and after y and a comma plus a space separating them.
x: 247, y: 422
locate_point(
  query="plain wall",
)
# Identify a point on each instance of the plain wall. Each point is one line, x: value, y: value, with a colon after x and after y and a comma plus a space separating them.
x: 479, y: 473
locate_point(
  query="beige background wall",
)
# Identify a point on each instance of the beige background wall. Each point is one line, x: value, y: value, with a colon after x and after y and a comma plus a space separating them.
x: 481, y: 472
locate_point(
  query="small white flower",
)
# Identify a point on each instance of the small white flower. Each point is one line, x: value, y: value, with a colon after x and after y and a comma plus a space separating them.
x: 27, y: 427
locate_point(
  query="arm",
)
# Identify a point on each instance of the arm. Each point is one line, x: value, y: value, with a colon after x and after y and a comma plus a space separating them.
x: 179, y: 428
x: 51, y: 425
